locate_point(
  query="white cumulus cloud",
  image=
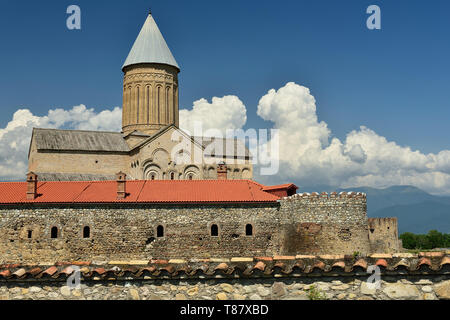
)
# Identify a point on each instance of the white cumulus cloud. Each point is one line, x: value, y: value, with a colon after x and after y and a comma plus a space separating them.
x: 309, y: 153
x: 15, y: 137
x: 221, y: 114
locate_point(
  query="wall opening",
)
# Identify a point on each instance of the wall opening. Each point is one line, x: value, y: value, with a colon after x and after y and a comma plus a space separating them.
x: 172, y: 176
x: 30, y: 234
x: 160, y: 231
x: 214, y: 230
x: 248, y: 230
x: 86, y: 232
x: 54, y: 233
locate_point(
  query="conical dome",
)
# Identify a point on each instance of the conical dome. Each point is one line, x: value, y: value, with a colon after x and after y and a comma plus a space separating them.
x: 150, y: 47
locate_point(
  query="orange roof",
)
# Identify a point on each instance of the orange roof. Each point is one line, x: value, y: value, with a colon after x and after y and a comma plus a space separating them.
x: 139, y: 191
x: 281, y: 186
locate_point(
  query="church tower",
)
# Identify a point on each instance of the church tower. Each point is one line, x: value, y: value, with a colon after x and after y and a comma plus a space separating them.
x: 150, y: 83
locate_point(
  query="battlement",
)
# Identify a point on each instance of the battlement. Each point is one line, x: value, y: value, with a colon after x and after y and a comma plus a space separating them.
x: 325, y: 195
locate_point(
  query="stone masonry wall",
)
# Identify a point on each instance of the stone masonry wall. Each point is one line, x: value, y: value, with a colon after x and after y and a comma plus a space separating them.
x: 301, y: 224
x: 383, y: 235
x: 331, y: 223
x: 332, y: 288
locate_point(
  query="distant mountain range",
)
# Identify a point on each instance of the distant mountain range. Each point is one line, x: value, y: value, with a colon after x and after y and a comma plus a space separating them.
x: 416, y: 210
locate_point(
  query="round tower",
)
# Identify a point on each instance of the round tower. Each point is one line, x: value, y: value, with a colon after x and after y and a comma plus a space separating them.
x: 150, y: 83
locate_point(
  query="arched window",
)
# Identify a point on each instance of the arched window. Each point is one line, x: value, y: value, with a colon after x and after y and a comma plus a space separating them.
x: 190, y: 176
x: 214, y: 230
x: 54, y: 232
x: 86, y: 232
x: 248, y: 230
x: 172, y: 176
x: 160, y: 231
x: 153, y: 177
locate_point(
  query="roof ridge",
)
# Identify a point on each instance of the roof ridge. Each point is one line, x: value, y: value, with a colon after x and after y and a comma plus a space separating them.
x: 75, y: 130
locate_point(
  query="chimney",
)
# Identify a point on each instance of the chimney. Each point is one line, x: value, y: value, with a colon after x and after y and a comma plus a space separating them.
x: 32, y: 180
x: 121, y: 179
x: 222, y: 171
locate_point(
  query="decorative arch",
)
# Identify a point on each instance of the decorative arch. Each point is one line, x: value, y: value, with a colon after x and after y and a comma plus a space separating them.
x: 152, y: 172
x: 246, y: 174
x: 191, y: 172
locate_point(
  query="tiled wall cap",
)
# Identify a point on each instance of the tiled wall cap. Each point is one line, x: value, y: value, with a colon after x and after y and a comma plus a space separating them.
x: 403, y: 255
x: 241, y: 259
x: 119, y: 263
x: 432, y: 254
x: 300, y: 256
x: 331, y: 257
x: 218, y: 260
x: 381, y: 256
x: 19, y: 273
x: 260, y: 266
x: 284, y: 258
x: 446, y: 260
x: 177, y: 261
x: 139, y: 262
x: 264, y: 258
x: 222, y: 266
x: 381, y: 262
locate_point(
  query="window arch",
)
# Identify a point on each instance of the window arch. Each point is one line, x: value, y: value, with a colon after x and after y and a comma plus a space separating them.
x: 214, y: 230
x: 248, y: 230
x: 86, y: 232
x: 160, y: 231
x: 54, y: 233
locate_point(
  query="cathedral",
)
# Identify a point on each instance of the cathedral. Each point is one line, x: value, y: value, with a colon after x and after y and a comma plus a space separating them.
x: 151, y: 145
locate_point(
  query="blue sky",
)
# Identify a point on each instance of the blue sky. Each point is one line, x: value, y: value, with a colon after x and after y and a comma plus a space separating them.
x: 395, y: 80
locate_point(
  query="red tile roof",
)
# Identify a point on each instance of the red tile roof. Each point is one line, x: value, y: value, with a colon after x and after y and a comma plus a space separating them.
x: 139, y: 191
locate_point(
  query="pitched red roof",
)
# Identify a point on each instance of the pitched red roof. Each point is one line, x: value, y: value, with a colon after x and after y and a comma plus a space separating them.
x: 139, y: 191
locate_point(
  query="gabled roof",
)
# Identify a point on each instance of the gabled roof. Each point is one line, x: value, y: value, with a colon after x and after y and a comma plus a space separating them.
x: 138, y: 191
x: 78, y: 140
x: 150, y: 47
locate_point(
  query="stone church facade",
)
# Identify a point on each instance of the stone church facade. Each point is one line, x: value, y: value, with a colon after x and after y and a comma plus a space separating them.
x: 151, y: 145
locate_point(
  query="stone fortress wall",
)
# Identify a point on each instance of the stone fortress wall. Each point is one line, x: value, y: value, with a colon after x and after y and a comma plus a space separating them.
x: 299, y: 224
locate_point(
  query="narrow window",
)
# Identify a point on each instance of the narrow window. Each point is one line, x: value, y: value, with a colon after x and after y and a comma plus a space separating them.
x: 86, y: 232
x: 30, y: 234
x: 248, y: 230
x: 54, y: 233
x: 159, y: 105
x: 137, y: 118
x: 214, y: 230
x: 153, y: 177
x: 190, y: 177
x: 172, y: 176
x: 148, y: 105
x: 160, y: 231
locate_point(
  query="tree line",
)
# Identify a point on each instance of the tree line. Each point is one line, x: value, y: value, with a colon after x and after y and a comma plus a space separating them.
x: 431, y: 240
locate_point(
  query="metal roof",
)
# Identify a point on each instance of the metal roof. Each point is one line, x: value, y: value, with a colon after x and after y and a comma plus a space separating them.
x: 77, y: 140
x: 150, y: 47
